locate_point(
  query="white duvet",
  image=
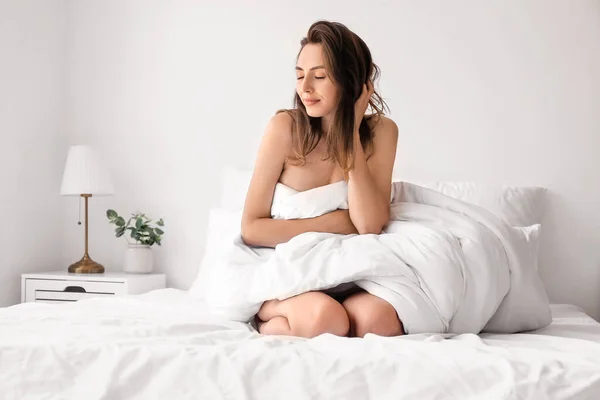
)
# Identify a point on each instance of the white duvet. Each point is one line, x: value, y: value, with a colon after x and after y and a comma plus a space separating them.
x: 445, y: 265
x: 164, y: 345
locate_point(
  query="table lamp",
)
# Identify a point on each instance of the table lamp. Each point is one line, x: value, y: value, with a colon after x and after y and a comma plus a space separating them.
x: 85, y: 176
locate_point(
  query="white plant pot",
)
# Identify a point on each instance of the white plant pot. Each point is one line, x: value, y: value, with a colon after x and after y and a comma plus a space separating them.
x: 138, y: 259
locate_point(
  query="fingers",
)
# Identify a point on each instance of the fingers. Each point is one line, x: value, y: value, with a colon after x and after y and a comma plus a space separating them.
x: 362, y: 103
x: 368, y: 90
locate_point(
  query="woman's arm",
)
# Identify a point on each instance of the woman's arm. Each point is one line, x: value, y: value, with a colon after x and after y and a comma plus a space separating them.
x: 258, y: 228
x: 267, y: 232
x: 369, y: 183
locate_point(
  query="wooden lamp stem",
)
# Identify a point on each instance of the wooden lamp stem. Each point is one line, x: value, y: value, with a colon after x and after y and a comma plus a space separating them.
x: 86, y: 223
x: 86, y: 264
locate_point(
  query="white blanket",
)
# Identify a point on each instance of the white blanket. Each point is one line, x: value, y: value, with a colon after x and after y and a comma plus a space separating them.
x: 163, y: 345
x: 444, y: 265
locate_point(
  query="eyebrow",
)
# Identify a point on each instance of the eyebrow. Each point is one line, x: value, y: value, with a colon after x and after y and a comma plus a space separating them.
x: 317, y: 67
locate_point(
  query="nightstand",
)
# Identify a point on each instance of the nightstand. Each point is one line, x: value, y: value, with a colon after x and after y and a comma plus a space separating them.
x: 61, y: 286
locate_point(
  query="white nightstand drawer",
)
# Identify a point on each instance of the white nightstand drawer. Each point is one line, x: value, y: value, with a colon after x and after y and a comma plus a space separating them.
x: 59, y: 286
x: 69, y: 290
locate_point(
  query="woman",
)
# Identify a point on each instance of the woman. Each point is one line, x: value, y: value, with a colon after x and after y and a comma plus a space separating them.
x: 325, y: 139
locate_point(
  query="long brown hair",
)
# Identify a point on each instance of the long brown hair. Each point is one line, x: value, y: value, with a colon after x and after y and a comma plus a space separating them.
x: 349, y: 65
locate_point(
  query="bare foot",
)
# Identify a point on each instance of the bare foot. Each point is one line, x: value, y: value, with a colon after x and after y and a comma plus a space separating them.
x: 269, y: 310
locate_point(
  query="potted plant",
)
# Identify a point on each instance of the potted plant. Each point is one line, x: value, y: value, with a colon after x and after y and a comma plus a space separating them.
x: 145, y: 232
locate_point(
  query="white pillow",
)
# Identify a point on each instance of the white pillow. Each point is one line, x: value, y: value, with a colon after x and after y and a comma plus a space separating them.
x: 223, y: 226
x: 531, y: 234
x: 516, y: 205
x: 527, y: 300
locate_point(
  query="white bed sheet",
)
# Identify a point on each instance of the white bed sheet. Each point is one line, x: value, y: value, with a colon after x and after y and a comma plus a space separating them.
x: 164, y: 345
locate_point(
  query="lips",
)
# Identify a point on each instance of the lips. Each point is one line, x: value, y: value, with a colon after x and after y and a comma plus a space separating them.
x: 310, y: 102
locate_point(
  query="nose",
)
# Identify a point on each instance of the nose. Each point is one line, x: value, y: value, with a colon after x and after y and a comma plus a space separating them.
x: 306, y: 85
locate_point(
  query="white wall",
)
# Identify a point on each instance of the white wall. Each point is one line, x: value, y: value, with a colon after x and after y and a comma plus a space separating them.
x: 32, y: 79
x: 504, y: 92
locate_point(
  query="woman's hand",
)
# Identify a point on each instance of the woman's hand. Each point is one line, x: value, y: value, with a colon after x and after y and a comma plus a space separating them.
x: 339, y: 222
x: 360, y: 107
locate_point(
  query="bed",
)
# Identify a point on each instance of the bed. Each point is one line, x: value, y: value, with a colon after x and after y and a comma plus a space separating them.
x: 164, y: 344
x: 168, y: 344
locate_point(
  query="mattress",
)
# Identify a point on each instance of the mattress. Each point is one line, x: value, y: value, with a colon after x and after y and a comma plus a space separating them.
x: 164, y: 344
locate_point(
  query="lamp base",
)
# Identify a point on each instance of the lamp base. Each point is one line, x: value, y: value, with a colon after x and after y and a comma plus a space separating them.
x: 86, y: 266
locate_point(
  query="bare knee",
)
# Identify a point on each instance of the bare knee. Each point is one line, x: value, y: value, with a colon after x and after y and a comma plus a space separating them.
x: 314, y: 313
x: 370, y: 314
x: 330, y: 317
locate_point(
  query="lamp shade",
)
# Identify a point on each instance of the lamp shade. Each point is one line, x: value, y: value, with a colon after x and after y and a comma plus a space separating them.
x: 85, y: 174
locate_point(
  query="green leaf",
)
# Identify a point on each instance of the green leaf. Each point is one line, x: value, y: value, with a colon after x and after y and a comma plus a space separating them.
x: 138, y: 223
x: 133, y: 233
x: 119, y: 234
x: 120, y: 221
x: 160, y: 222
x: 111, y: 214
x: 159, y: 231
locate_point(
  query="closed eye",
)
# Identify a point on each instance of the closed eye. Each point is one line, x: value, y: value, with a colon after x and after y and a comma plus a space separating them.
x: 319, y: 77
x: 300, y: 77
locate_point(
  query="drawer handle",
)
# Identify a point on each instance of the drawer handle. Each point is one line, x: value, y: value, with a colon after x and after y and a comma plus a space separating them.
x: 77, y: 289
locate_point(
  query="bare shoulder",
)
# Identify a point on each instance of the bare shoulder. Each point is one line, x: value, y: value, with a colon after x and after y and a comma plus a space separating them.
x: 385, y: 135
x: 384, y: 128
x: 282, y: 120
x: 279, y: 130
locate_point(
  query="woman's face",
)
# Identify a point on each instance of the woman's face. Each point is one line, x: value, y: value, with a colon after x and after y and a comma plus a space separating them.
x: 318, y: 93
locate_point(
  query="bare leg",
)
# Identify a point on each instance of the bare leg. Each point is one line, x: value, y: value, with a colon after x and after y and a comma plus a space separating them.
x: 371, y: 314
x: 308, y: 315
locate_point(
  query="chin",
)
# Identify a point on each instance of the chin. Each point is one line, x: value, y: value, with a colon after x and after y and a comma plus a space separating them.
x: 316, y: 112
